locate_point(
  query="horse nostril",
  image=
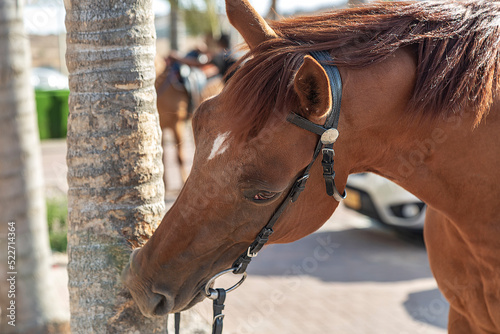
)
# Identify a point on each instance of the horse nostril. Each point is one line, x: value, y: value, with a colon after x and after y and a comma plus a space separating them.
x: 162, y: 307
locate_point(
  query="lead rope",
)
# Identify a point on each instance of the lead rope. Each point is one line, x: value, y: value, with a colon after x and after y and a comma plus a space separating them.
x: 329, y: 135
x: 218, y: 307
x: 177, y: 323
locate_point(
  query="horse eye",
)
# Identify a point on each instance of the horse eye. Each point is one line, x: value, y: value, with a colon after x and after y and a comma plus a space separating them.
x: 264, y: 196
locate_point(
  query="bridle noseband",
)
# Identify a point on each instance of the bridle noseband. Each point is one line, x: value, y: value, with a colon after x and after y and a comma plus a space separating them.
x: 328, y: 135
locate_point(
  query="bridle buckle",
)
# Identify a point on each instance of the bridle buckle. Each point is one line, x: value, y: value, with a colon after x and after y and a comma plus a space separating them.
x: 328, y: 151
x: 250, y: 254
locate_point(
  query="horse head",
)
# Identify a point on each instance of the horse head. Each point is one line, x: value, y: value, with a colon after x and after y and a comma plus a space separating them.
x: 248, y: 157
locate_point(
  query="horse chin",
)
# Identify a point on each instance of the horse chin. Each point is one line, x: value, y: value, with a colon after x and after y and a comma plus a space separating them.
x: 196, y: 299
x: 161, y: 304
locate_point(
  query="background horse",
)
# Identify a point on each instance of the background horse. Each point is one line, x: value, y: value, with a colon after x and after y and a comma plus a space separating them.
x: 174, y: 105
x: 420, y: 106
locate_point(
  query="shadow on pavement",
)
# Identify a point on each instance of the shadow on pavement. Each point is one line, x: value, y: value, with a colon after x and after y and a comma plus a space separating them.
x: 428, y: 307
x: 351, y: 255
x: 359, y: 255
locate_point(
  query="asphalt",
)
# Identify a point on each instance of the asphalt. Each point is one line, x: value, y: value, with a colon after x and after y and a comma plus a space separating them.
x: 351, y: 276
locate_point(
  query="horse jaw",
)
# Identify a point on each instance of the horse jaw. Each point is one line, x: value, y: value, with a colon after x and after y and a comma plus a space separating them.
x: 248, y: 22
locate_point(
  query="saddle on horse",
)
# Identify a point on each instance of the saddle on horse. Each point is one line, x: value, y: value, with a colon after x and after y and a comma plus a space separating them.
x: 189, y: 78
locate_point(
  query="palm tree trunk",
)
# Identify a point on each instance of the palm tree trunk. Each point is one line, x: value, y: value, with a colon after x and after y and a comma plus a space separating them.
x: 174, y: 24
x: 273, y: 10
x: 116, y: 192
x: 213, y: 18
x: 28, y: 298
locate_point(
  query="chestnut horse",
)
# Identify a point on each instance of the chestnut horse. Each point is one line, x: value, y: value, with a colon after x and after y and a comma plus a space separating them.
x: 173, y: 103
x: 419, y: 106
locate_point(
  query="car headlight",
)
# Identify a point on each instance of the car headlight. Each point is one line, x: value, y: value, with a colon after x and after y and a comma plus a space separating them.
x: 408, y: 210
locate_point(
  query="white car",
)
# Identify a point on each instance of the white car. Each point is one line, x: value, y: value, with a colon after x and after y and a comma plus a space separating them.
x: 385, y: 201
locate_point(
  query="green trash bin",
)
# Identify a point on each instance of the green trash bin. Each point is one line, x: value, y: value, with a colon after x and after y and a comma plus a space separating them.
x: 52, y: 110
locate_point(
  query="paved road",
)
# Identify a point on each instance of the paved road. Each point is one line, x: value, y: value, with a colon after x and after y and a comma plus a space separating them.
x: 349, y: 277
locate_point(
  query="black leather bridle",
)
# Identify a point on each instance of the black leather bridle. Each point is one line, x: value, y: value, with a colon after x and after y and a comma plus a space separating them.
x: 328, y: 135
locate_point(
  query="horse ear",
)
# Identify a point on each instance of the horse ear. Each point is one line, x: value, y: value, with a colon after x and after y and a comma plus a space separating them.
x: 248, y: 22
x: 313, y: 88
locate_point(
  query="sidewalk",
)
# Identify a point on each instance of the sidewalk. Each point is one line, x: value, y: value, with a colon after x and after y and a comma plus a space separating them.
x: 368, y: 280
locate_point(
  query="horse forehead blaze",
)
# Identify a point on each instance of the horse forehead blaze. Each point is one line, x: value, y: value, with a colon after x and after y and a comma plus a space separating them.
x: 220, y: 145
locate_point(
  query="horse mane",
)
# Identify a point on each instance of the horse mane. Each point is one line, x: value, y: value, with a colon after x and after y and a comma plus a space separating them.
x: 456, y: 47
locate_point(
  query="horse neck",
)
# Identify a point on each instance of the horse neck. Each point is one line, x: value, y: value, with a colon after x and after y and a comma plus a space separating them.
x: 443, y: 160
x: 447, y: 163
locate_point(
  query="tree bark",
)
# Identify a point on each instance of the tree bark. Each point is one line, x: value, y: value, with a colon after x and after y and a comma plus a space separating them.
x: 213, y: 18
x: 115, y: 196
x: 174, y: 24
x: 27, y: 292
x: 273, y: 11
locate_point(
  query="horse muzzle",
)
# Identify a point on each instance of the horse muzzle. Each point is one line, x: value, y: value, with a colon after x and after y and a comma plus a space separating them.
x: 151, y: 302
